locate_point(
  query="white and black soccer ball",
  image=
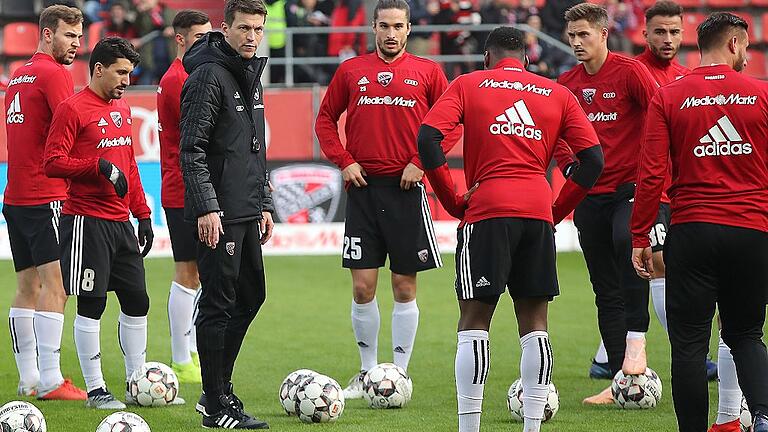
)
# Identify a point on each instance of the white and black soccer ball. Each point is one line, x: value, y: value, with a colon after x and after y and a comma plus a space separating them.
x: 20, y: 416
x: 515, y: 401
x: 745, y: 418
x: 641, y: 391
x: 153, y: 384
x: 319, y: 399
x: 387, y: 385
x: 287, y: 390
x: 122, y: 421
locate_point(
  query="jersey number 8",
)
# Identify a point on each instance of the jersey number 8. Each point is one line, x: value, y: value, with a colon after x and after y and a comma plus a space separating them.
x: 88, y: 276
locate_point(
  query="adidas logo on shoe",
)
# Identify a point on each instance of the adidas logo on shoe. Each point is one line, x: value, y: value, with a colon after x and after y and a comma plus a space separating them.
x: 482, y: 282
x: 399, y: 350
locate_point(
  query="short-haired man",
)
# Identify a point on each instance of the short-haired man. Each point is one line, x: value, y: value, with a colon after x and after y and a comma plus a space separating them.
x: 222, y: 125
x: 189, y: 26
x: 718, y: 238
x: 32, y: 206
x: 506, y: 237
x: 614, y: 91
x: 90, y: 144
x: 387, y: 207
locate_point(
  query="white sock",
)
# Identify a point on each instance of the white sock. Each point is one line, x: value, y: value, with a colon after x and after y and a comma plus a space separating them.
x: 405, y: 322
x: 132, y: 332
x: 89, y: 351
x: 365, y: 323
x: 657, y: 295
x: 24, y: 345
x: 601, y: 356
x: 48, y: 328
x: 473, y: 360
x: 181, y: 304
x: 192, y: 328
x: 536, y: 362
x: 635, y: 335
x: 728, y: 390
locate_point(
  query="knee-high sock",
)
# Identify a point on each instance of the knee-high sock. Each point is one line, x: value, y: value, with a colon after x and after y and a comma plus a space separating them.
x: 473, y: 360
x: 132, y: 333
x: 405, y: 322
x: 181, y: 303
x: 728, y: 390
x: 536, y: 361
x: 89, y: 352
x: 20, y: 323
x: 365, y: 323
x: 657, y: 295
x: 48, y: 328
x: 601, y: 356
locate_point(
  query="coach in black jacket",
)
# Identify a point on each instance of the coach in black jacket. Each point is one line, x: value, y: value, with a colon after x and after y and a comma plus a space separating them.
x: 226, y: 193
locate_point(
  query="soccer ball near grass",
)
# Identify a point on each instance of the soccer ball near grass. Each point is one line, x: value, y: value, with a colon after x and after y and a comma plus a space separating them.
x: 153, y: 384
x: 123, y: 422
x: 387, y: 385
x: 636, y: 391
x: 515, y: 401
x: 319, y: 399
x: 19, y: 416
x: 288, y: 389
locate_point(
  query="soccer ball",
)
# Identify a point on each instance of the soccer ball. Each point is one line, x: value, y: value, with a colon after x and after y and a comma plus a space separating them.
x: 636, y: 391
x: 746, y: 417
x: 515, y: 401
x: 387, y: 385
x: 153, y: 384
x: 288, y: 389
x: 319, y: 399
x: 123, y: 422
x: 19, y: 416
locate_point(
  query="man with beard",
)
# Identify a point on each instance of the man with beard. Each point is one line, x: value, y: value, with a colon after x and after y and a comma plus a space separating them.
x: 32, y: 205
x: 386, y: 94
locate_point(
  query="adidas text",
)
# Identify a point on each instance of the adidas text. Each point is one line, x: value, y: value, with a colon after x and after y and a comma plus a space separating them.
x: 602, y: 117
x: 732, y: 99
x: 725, y: 149
x: 516, y: 85
x: 516, y: 130
x: 387, y: 100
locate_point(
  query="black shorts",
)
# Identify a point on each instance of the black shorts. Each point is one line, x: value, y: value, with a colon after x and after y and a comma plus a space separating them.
x: 518, y: 254
x: 33, y: 232
x: 183, y: 235
x: 659, y: 230
x: 382, y: 220
x: 98, y: 255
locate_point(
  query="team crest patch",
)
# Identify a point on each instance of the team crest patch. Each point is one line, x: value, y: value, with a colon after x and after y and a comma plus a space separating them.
x: 423, y: 255
x: 230, y: 246
x: 306, y: 193
x: 384, y: 78
x: 588, y: 95
x: 117, y: 118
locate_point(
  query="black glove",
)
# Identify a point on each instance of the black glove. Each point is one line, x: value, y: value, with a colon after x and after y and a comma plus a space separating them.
x: 145, y: 236
x: 115, y: 176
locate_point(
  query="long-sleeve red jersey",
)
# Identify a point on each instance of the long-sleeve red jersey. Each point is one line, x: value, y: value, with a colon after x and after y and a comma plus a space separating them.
x: 34, y: 92
x: 169, y: 116
x: 512, y: 121
x: 385, y: 103
x: 615, y: 100
x: 84, y: 129
x: 713, y: 126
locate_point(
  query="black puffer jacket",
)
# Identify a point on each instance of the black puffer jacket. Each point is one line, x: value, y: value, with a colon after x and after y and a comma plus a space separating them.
x: 223, y: 156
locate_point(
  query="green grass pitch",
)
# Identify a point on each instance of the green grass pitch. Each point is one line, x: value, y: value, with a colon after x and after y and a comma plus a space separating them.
x: 305, y: 324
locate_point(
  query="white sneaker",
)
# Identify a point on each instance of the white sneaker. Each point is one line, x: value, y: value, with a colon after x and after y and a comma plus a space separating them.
x: 354, y: 389
x: 23, y: 390
x: 103, y: 399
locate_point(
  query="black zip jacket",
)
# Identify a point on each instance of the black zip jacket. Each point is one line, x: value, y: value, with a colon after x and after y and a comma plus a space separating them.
x: 223, y: 155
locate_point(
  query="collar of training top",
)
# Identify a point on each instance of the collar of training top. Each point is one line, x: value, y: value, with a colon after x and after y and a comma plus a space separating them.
x: 509, y: 62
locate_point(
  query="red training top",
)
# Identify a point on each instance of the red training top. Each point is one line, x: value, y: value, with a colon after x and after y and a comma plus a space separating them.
x: 512, y: 122
x: 615, y: 100
x: 663, y: 71
x: 168, y: 118
x: 34, y: 92
x: 385, y: 103
x: 713, y: 125
x: 85, y: 128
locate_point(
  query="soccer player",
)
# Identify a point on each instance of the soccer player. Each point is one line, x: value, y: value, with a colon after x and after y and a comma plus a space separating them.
x: 385, y: 94
x: 512, y: 121
x: 710, y: 125
x: 90, y: 144
x: 223, y: 163
x: 32, y: 206
x: 189, y: 26
x: 614, y: 91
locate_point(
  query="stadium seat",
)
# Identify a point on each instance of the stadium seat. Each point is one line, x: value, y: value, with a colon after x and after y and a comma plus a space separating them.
x: 81, y: 75
x: 692, y: 59
x: 20, y: 39
x: 18, y: 8
x: 756, y: 64
x: 764, y: 22
x: 15, y: 65
x: 725, y: 3
x: 690, y: 22
x: 758, y: 3
x: 95, y: 33
x: 754, y: 35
